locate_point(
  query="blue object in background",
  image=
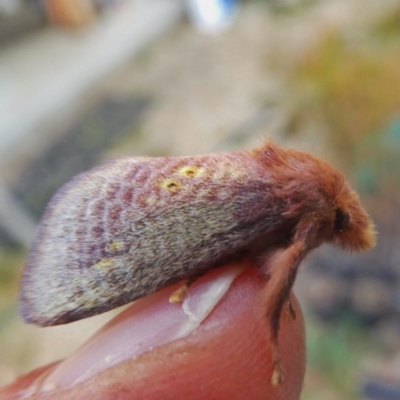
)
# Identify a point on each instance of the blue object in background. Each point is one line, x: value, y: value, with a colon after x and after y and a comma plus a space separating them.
x: 377, y: 390
x: 392, y: 136
x: 212, y: 16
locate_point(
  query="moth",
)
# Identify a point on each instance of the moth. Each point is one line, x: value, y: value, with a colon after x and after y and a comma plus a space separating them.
x: 135, y: 225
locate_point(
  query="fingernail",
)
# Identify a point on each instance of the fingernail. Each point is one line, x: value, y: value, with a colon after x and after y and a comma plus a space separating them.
x: 147, y: 324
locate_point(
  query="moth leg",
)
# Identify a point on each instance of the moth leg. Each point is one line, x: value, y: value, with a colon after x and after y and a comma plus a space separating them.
x: 179, y: 295
x: 282, y: 270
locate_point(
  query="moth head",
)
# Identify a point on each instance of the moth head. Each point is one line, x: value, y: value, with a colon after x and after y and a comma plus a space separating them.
x: 352, y: 227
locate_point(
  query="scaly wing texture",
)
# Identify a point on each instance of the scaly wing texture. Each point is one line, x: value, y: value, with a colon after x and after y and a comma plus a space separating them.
x: 135, y: 225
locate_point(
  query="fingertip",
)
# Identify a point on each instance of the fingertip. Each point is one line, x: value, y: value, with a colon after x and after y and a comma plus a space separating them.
x: 26, y: 384
x: 227, y: 356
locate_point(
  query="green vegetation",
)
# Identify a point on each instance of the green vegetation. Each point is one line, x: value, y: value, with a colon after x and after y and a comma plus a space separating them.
x: 10, y: 266
x: 11, y: 261
x: 388, y: 28
x: 351, y: 89
x: 335, y: 351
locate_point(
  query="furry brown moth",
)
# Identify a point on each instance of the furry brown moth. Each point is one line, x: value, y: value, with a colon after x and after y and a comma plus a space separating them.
x: 135, y: 225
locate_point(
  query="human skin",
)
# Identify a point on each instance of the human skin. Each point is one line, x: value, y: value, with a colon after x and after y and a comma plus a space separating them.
x: 226, y: 357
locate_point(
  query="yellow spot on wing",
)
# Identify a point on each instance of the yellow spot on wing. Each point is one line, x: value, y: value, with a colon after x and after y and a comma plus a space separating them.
x: 104, y: 263
x: 190, y: 171
x: 115, y: 245
x: 171, y: 185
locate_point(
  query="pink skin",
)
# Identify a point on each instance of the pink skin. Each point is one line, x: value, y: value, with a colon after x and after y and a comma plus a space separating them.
x: 154, y: 350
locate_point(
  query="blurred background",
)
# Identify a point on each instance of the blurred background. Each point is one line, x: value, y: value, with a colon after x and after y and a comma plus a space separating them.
x: 83, y: 81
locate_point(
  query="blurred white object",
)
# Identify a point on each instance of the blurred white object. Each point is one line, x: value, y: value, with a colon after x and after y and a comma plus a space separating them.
x: 212, y: 16
x: 9, y: 7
